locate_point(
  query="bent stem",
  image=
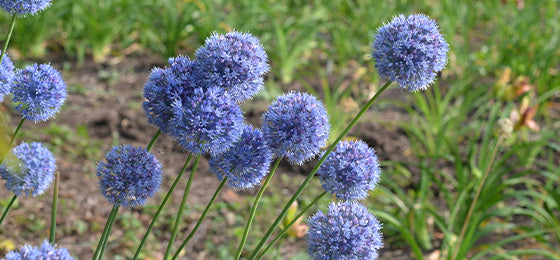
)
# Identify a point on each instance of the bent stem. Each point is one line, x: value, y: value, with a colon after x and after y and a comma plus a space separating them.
x: 314, y: 170
x: 167, y: 196
x: 181, y: 208
x: 287, y: 227
x: 153, y: 141
x: 199, y: 222
x: 8, y: 37
x: 254, y: 209
x: 54, y: 208
x: 8, y: 209
x: 12, y: 140
x: 106, y: 231
x: 476, y: 196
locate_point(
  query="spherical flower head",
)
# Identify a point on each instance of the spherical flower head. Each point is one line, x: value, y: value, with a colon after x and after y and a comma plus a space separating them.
x: 235, y: 61
x: 165, y: 87
x: 28, y: 169
x: 348, y: 231
x: 46, y: 251
x: 130, y: 175
x: 410, y: 50
x: 246, y: 163
x: 24, y: 7
x: 207, y: 121
x: 39, y: 92
x: 296, y: 126
x: 350, y: 171
x: 6, y: 76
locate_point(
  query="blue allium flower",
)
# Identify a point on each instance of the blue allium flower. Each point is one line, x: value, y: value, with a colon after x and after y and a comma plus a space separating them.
x: 235, y: 61
x: 348, y: 231
x: 130, y: 175
x: 28, y: 169
x: 246, y: 163
x: 6, y: 76
x: 45, y: 252
x: 39, y: 92
x: 410, y: 50
x: 165, y: 87
x: 296, y: 126
x: 207, y: 120
x: 350, y: 171
x: 24, y: 7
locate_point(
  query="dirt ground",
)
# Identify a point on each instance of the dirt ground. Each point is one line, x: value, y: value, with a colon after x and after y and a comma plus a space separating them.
x: 107, y: 99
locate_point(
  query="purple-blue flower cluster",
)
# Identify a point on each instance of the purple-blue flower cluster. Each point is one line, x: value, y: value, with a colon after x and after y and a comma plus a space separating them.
x: 410, y: 50
x: 28, y: 169
x: 24, y: 7
x: 45, y: 252
x: 130, y: 175
x: 296, y: 126
x: 234, y: 61
x: 350, y: 171
x: 6, y: 76
x: 347, y: 231
x: 164, y: 88
x: 39, y: 92
x: 246, y: 163
x: 207, y: 121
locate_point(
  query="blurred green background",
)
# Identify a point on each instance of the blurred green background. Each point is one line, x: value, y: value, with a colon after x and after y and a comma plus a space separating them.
x: 504, y: 63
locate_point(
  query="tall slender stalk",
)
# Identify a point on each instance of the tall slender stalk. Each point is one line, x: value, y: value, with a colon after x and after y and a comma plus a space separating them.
x: 287, y: 227
x: 199, y: 222
x: 7, y: 209
x: 476, y: 196
x: 159, y: 210
x: 153, y: 141
x: 8, y: 37
x: 181, y: 209
x: 314, y: 170
x: 54, y: 208
x: 254, y: 209
x: 106, y: 231
x: 12, y: 140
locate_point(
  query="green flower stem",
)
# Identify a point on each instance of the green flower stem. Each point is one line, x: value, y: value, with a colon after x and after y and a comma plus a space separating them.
x: 181, y: 208
x: 153, y: 141
x: 54, y: 208
x: 106, y: 231
x: 167, y: 196
x: 199, y: 222
x: 287, y: 227
x: 254, y: 209
x: 314, y: 170
x: 8, y: 37
x: 7, y: 209
x: 476, y: 196
x: 12, y: 140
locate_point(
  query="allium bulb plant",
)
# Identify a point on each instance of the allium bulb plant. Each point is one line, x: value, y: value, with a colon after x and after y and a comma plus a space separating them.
x: 410, y: 50
x: 246, y: 163
x: 129, y: 176
x: 6, y: 76
x: 165, y: 87
x: 39, y: 92
x: 234, y: 61
x: 45, y: 252
x: 347, y: 231
x: 350, y: 171
x: 24, y: 7
x: 207, y: 121
x: 296, y: 126
x: 28, y: 169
